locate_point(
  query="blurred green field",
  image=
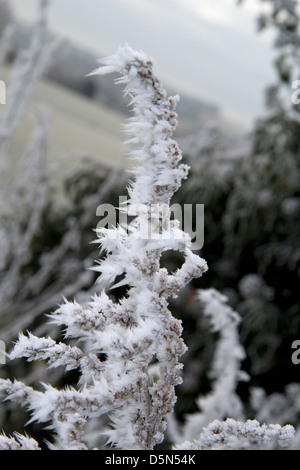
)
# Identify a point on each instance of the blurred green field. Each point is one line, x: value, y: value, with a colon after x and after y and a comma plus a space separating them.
x: 78, y: 126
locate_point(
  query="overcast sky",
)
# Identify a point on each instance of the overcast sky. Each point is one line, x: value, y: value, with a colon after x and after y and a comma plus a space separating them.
x: 208, y: 48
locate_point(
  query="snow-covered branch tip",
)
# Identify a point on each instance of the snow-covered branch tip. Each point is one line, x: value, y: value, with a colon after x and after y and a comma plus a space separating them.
x: 158, y: 174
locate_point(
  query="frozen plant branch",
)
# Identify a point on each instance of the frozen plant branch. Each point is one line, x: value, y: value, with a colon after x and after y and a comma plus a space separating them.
x: 236, y: 435
x: 137, y: 330
x: 18, y: 442
x: 226, y: 371
x: 30, y: 66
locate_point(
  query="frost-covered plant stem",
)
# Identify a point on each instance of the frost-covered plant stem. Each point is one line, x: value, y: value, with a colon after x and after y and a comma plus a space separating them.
x: 226, y: 370
x: 29, y: 67
x: 137, y: 330
x: 236, y: 435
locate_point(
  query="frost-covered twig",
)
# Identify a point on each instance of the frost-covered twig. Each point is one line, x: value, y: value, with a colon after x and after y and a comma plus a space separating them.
x: 22, y: 206
x: 237, y: 435
x: 29, y: 67
x: 18, y: 442
x: 226, y: 371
